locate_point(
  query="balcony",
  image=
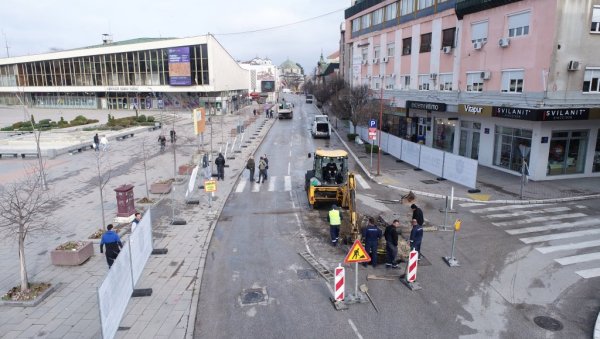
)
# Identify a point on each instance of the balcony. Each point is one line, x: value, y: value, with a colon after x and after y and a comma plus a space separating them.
x: 464, y: 7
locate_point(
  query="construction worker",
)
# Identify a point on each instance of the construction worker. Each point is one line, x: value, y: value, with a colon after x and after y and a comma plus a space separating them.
x: 371, y: 235
x: 416, y: 237
x: 335, y: 220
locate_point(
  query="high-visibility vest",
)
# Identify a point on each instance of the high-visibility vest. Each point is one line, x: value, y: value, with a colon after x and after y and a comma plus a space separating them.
x: 335, y: 218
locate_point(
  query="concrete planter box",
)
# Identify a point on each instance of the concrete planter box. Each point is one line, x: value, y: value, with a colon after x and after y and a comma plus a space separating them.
x: 159, y: 188
x: 185, y: 169
x: 72, y: 258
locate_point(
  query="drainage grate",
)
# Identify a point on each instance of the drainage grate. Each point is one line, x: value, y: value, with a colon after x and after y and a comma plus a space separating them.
x: 253, y: 296
x: 429, y: 182
x: 305, y: 274
x: 548, y: 323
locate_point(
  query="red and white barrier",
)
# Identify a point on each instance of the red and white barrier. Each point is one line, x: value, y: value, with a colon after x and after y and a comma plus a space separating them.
x: 339, y: 283
x: 411, y: 267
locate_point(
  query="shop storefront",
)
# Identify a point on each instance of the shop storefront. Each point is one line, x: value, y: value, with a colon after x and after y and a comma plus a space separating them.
x: 432, y: 125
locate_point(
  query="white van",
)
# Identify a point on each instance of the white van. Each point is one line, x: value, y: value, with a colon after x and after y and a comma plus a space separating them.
x: 321, y: 127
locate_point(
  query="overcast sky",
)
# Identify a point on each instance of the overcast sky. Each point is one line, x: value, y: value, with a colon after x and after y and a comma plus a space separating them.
x: 34, y: 26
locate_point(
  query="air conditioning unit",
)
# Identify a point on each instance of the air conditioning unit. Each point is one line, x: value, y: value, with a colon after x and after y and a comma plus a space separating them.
x: 478, y: 45
x: 447, y: 49
x: 432, y: 76
x: 385, y: 59
x: 381, y: 76
x: 504, y: 42
x: 364, y: 61
x: 486, y: 75
x: 573, y: 65
x: 375, y: 60
x: 369, y: 76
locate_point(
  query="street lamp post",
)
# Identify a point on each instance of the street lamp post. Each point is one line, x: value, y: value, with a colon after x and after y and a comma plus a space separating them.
x: 379, y: 131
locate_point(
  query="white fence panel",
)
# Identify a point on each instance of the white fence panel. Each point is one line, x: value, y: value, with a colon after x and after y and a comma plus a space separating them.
x: 141, y: 246
x: 395, y: 146
x: 460, y: 170
x: 432, y: 160
x: 410, y: 152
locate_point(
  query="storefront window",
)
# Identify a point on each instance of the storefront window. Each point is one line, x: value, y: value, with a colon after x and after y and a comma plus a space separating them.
x: 596, y: 167
x: 511, y: 147
x: 469, y: 139
x: 443, y: 137
x: 567, y: 152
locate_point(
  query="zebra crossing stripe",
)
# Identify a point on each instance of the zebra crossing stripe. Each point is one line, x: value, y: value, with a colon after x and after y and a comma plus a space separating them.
x: 362, y: 182
x: 256, y: 187
x: 507, y: 207
x: 241, y: 185
x: 566, y: 247
x: 585, y: 222
x: 566, y: 235
x: 471, y: 204
x: 575, y: 259
x: 591, y: 273
x: 539, y: 219
x: 288, y: 183
x: 520, y: 213
x: 272, y: 183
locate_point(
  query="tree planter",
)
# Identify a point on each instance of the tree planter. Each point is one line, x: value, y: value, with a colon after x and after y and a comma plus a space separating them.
x: 185, y: 169
x: 72, y: 257
x: 160, y: 188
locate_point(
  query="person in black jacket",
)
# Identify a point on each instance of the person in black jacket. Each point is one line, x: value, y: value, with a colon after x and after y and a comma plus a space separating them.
x: 417, y: 214
x: 220, y: 162
x: 371, y: 235
x: 391, y: 244
x: 416, y: 237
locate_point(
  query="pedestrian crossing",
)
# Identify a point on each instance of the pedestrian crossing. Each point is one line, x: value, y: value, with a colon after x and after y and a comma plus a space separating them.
x: 567, y: 232
x: 280, y: 184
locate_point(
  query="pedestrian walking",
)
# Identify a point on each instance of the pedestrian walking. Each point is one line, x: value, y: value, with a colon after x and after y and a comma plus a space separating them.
x: 96, y: 143
x: 371, y: 234
x: 417, y: 214
x: 104, y: 143
x: 254, y: 112
x: 162, y: 140
x: 267, y: 167
x: 416, y: 237
x: 335, y: 220
x: 113, y: 244
x: 262, y: 170
x: 220, y: 162
x: 136, y: 221
x: 173, y: 135
x: 391, y: 244
x: 251, y: 166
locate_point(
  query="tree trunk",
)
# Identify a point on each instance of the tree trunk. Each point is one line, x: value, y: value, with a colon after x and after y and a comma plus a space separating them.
x: 24, y: 279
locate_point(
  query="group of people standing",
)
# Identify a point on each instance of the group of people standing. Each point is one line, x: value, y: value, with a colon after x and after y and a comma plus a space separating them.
x: 263, y: 166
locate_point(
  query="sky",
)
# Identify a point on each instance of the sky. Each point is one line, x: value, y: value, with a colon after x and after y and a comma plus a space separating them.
x: 34, y: 26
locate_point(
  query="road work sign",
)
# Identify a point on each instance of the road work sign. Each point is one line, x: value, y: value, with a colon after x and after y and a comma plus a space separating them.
x: 210, y: 186
x: 357, y: 254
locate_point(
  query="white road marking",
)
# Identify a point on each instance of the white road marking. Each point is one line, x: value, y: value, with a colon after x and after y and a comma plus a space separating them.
x: 256, y: 187
x: 288, y: 172
x: 585, y: 222
x: 539, y: 219
x: 520, y: 213
x: 575, y: 259
x: 507, y: 207
x: 566, y: 247
x: 566, y: 235
x: 591, y: 273
x: 241, y: 185
x: 354, y: 329
x: 288, y: 183
x: 471, y: 204
x: 362, y: 182
x: 271, y: 181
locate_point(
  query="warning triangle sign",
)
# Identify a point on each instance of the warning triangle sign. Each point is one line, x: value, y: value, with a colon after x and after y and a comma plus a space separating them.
x: 357, y: 253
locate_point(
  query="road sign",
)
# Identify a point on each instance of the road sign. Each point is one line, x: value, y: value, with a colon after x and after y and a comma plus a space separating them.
x: 372, y: 123
x: 357, y: 254
x: 210, y: 185
x: 372, y: 133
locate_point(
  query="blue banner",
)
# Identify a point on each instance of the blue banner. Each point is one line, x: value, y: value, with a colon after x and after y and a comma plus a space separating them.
x: 179, y: 66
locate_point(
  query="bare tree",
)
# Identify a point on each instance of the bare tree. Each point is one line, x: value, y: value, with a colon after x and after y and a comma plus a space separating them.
x: 24, y: 207
x: 355, y: 101
x: 37, y: 135
x: 103, y: 175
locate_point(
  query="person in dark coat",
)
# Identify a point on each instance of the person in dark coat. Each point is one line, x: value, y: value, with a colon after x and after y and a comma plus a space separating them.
x: 251, y: 166
x: 220, y: 162
x: 96, y: 142
x: 391, y: 244
x: 262, y: 170
x: 266, y: 168
x: 417, y: 214
x: 416, y: 237
x: 371, y: 234
x: 113, y: 244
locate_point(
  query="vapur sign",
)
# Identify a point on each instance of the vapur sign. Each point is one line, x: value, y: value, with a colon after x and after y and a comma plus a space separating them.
x: 565, y: 114
x: 479, y: 110
x: 473, y: 109
x: 427, y: 106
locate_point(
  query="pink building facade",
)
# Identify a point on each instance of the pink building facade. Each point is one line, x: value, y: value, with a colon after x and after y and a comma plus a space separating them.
x: 506, y: 82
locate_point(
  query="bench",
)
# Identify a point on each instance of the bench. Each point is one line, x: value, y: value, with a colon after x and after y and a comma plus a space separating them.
x: 23, y: 155
x: 155, y: 127
x: 14, y: 155
x: 124, y: 136
x: 78, y: 149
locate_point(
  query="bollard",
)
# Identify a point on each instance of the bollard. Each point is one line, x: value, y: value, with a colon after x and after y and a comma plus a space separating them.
x: 411, y: 271
x: 339, y: 283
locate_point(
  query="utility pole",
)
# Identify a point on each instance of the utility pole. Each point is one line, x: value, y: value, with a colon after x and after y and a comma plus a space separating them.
x: 380, y: 126
x: 6, y: 44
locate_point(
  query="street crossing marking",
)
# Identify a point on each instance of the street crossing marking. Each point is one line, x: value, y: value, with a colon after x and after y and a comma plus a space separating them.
x: 471, y: 204
x: 520, y: 213
x: 567, y: 247
x: 585, y: 222
x: 288, y: 183
x: 566, y: 235
x: 272, y: 183
x: 502, y: 208
x: 575, y: 259
x: 591, y: 273
x: 241, y: 185
x: 538, y: 219
x: 362, y: 182
x: 256, y: 187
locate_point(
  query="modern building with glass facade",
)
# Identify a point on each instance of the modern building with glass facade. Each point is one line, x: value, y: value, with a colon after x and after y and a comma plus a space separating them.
x: 504, y: 82
x: 147, y: 73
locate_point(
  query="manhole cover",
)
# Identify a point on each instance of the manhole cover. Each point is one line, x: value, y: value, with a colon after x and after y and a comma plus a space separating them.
x: 305, y: 274
x: 548, y: 323
x: 429, y: 182
x: 253, y: 296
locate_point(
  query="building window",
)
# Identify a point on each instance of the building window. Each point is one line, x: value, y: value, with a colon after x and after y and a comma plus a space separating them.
x: 376, y: 84
x: 390, y: 50
x: 365, y: 21
x: 389, y: 83
x: 518, y: 24
x: 425, y: 3
x: 469, y: 139
x: 479, y: 32
x: 376, y: 52
x: 356, y: 25
x: 424, y: 82
x: 474, y: 82
x: 595, y: 20
x: 445, y: 82
x: 596, y: 167
x: 511, y: 147
x: 443, y: 134
x: 512, y: 81
x: 591, y: 80
x: 425, y: 43
x: 378, y: 16
x: 407, y: 7
x: 448, y: 37
x: 364, y: 53
x: 567, y: 152
x: 391, y: 11
x: 406, y: 46
x: 405, y: 82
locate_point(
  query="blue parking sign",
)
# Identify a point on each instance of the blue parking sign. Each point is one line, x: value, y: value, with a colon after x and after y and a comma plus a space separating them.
x: 372, y: 123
